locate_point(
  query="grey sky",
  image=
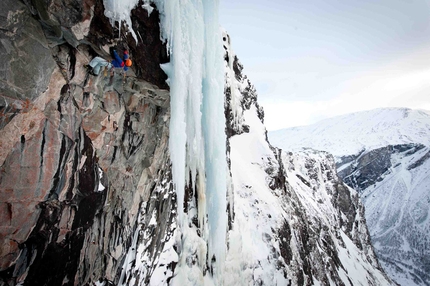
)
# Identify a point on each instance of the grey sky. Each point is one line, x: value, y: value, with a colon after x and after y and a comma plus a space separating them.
x: 312, y: 59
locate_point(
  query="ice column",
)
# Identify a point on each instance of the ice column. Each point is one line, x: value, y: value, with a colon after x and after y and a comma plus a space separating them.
x: 184, y: 30
x: 197, y: 125
x: 197, y: 128
x: 214, y: 133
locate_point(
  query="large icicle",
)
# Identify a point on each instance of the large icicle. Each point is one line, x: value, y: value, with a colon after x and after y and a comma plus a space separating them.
x: 183, y: 25
x: 197, y: 128
x: 214, y: 134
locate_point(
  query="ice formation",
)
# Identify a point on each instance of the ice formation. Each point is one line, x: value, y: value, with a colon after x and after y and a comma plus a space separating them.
x: 119, y: 10
x: 197, y: 138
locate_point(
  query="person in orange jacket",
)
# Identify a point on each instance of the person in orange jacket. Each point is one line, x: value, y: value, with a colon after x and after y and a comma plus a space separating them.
x: 125, y: 62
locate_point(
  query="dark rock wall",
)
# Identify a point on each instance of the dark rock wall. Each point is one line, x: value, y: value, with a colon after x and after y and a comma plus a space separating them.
x: 371, y: 166
x: 80, y: 155
x: 26, y: 63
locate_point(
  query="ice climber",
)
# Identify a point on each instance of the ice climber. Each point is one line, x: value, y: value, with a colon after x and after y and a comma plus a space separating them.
x: 117, y: 62
x: 97, y: 63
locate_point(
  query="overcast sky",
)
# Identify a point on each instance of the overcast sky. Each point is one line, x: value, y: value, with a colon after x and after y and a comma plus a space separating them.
x: 312, y: 59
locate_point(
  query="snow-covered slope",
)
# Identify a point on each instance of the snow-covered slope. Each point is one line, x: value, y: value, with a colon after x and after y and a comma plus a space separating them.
x: 397, y: 210
x: 384, y: 154
x: 308, y: 230
x: 292, y: 221
x: 351, y: 133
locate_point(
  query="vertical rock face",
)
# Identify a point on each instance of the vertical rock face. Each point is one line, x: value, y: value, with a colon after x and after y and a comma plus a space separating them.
x: 26, y: 62
x: 366, y: 168
x: 79, y: 154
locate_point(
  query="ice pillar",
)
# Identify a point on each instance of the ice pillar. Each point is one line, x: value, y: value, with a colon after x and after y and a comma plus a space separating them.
x: 197, y: 128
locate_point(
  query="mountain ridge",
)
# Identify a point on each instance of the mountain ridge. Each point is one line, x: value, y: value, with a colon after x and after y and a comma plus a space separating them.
x: 349, y: 134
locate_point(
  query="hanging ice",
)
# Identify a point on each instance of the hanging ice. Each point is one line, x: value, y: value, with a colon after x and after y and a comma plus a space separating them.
x: 197, y: 136
x: 197, y: 125
x: 119, y: 10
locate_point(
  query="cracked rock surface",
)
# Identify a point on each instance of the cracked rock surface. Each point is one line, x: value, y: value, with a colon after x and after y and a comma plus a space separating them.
x: 78, y: 153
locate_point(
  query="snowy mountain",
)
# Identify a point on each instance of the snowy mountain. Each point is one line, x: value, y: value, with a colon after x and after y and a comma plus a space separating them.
x: 350, y: 134
x: 162, y: 175
x: 293, y: 221
x: 384, y: 154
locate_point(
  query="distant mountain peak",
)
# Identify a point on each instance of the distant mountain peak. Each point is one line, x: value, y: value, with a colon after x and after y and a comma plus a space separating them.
x: 350, y: 133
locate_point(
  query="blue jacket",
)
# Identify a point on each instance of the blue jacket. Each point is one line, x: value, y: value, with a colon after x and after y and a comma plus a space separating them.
x: 118, y: 62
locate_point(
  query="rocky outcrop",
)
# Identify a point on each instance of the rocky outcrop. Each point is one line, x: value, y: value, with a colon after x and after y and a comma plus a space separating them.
x: 237, y: 99
x: 80, y: 155
x: 367, y: 168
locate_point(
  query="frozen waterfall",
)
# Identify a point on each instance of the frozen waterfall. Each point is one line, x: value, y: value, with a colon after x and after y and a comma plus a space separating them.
x: 197, y: 125
x: 197, y: 136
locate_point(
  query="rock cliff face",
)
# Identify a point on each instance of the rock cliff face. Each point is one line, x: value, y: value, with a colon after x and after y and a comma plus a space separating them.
x: 79, y: 154
x: 86, y: 193
x: 368, y: 167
